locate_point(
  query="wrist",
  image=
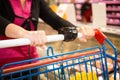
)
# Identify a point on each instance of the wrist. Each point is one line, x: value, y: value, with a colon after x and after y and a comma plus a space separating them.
x: 15, y: 31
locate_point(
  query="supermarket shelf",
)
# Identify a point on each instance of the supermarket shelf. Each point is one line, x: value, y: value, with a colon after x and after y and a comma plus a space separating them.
x: 113, y: 12
x: 112, y: 16
x: 111, y: 30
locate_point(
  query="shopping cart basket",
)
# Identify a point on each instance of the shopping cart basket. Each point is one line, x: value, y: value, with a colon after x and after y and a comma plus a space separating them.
x: 92, y: 63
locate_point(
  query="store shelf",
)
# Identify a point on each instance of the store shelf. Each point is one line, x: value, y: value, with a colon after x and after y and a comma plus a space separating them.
x: 112, y: 16
x: 116, y: 10
x: 113, y: 12
x: 112, y: 2
x: 110, y: 30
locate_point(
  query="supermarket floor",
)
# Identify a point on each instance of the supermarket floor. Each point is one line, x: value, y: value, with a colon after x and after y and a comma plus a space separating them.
x: 60, y: 46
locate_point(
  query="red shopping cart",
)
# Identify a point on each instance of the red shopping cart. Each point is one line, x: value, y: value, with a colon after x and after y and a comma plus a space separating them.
x: 92, y: 63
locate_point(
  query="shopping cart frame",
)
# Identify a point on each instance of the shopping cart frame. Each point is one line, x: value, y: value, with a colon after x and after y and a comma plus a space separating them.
x: 100, y: 37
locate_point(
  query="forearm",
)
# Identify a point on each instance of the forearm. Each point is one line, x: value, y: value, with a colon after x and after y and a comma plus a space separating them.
x: 52, y: 18
x: 14, y: 31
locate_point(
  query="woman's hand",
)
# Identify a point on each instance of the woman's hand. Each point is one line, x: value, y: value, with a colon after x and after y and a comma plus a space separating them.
x: 87, y: 33
x: 37, y: 38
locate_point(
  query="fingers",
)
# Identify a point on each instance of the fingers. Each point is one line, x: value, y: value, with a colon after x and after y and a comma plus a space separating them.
x: 87, y: 33
x: 37, y: 38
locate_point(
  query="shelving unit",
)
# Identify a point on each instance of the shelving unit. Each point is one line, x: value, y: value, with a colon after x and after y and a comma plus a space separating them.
x: 113, y: 12
x: 78, y: 10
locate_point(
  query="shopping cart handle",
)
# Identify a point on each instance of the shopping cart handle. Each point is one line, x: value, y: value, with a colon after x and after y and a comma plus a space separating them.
x: 100, y: 36
x: 50, y: 38
x: 25, y: 41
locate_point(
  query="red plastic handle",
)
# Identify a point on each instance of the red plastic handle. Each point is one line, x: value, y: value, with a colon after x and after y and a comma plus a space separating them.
x: 99, y: 36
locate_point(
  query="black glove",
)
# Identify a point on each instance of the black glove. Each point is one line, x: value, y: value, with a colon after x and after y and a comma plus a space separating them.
x: 70, y: 33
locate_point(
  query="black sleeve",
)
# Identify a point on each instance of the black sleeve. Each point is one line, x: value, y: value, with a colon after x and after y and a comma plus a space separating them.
x: 3, y: 23
x: 51, y: 18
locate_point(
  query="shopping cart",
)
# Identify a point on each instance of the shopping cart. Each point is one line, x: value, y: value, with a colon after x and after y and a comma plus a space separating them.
x: 92, y: 63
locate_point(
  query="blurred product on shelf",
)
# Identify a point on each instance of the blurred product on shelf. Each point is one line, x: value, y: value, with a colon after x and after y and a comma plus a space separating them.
x: 86, y: 11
